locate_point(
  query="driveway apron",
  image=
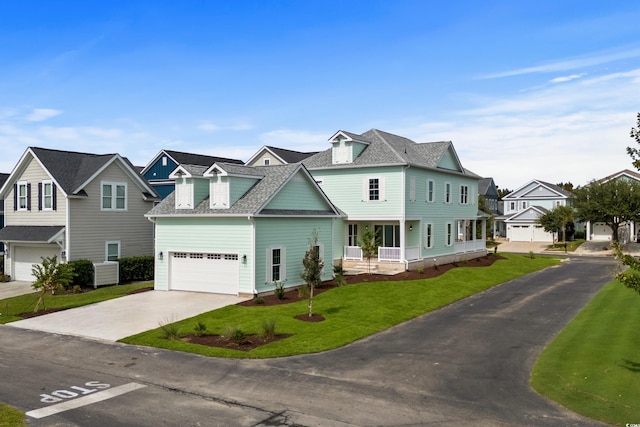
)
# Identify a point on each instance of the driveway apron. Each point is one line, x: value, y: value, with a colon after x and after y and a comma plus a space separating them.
x: 121, y: 317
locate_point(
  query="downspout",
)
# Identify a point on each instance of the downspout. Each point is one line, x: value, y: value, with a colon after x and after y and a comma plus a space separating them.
x: 67, y: 230
x: 253, y: 255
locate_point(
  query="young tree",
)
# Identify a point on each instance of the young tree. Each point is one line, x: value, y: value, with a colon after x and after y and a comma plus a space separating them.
x: 369, y: 245
x: 612, y: 202
x: 629, y: 277
x: 556, y: 220
x: 635, y: 152
x: 50, y: 277
x: 313, y: 264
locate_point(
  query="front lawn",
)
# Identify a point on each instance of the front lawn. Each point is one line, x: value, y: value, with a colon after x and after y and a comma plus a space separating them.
x: 352, y: 312
x: 11, y: 417
x: 593, y: 366
x: 10, y: 308
x: 571, y: 246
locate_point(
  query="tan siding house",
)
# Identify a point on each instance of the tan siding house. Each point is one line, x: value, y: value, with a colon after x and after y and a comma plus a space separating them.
x: 75, y: 206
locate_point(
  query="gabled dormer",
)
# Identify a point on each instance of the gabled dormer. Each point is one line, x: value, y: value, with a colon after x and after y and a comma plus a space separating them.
x: 346, y: 147
x: 191, y: 187
x: 227, y: 183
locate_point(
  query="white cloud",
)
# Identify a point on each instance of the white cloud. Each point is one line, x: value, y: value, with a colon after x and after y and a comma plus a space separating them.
x: 209, y: 126
x: 567, y: 78
x: 41, y: 114
x: 597, y: 58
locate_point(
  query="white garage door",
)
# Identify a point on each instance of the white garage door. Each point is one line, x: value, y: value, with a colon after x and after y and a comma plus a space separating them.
x: 25, y: 256
x: 539, y: 235
x: 520, y: 233
x: 204, y: 272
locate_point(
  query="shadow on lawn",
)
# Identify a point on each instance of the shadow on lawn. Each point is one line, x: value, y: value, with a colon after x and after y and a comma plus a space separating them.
x: 630, y: 365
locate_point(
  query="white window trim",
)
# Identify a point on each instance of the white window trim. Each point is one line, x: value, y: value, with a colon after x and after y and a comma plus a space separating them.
x: 26, y: 196
x: 164, y: 160
x: 114, y: 196
x: 283, y: 264
x: 266, y: 161
x: 366, y: 194
x: 431, y: 196
x: 448, y: 195
x: 44, y: 197
x: 428, y: 235
x: 464, y: 194
x: 106, y: 248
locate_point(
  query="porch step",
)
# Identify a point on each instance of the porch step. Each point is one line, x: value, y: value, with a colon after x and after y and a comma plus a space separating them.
x: 377, y: 267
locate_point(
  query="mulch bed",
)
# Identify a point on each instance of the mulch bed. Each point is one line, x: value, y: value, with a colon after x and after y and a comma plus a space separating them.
x: 248, y: 343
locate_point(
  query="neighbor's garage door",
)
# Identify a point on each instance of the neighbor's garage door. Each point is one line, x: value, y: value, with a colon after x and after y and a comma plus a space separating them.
x: 25, y: 256
x: 520, y: 233
x: 539, y: 235
x: 204, y: 272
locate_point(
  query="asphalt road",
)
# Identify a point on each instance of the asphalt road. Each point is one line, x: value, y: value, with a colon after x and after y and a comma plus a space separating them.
x: 466, y: 364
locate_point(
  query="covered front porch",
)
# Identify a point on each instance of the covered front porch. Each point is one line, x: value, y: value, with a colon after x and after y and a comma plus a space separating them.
x: 401, y: 244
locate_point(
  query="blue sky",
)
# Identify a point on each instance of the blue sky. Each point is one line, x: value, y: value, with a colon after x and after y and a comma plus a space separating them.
x: 544, y: 89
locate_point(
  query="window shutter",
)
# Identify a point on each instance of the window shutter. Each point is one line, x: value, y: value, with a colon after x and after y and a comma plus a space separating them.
x: 268, y: 276
x: 412, y: 189
x: 283, y: 264
x: 39, y: 196
x: 381, y: 184
x: 365, y: 189
x: 29, y: 196
x: 15, y: 197
x: 54, y: 197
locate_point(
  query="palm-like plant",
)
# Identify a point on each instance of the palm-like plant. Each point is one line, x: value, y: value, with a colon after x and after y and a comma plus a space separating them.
x: 50, y: 277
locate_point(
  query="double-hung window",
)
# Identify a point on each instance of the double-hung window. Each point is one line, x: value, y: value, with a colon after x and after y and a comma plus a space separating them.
x: 449, y: 234
x: 464, y: 194
x: 431, y: 197
x: 428, y: 235
x: 447, y: 192
x: 46, y: 196
x: 353, y: 235
x: 114, y: 196
x: 276, y: 269
x: 373, y: 189
x: 22, y: 190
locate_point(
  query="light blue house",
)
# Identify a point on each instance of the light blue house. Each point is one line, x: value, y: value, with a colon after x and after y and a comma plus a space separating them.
x: 417, y: 197
x: 237, y: 229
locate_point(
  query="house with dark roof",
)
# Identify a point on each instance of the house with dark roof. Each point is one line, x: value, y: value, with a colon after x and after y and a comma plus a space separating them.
x: 271, y: 156
x: 236, y: 229
x: 488, y: 190
x: 74, y: 206
x: 523, y: 207
x: 157, y: 171
x: 3, y: 179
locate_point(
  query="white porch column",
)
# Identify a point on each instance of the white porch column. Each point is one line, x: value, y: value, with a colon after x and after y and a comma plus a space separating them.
x: 403, y: 241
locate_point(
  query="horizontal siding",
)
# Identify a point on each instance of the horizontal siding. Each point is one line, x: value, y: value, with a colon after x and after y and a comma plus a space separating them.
x: 202, y: 234
x: 298, y: 193
x: 344, y: 189
x: 293, y: 235
x: 238, y: 187
x: 90, y: 227
x: 259, y: 161
x: 33, y: 174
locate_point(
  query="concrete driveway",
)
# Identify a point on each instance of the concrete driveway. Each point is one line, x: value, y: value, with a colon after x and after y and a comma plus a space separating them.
x: 121, y: 317
x: 15, y: 288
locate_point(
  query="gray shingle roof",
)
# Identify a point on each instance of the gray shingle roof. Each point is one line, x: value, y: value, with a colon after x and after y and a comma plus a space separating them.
x: 198, y: 159
x: 290, y: 156
x: 386, y: 149
x: 29, y: 233
x: 270, y: 180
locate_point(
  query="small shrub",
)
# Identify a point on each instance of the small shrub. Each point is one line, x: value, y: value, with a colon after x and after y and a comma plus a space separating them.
x: 83, y: 269
x: 279, y: 290
x: 136, y: 269
x: 5, y: 278
x: 268, y: 329
x: 200, y: 329
x: 234, y: 333
x: 421, y: 270
x: 258, y: 300
x: 169, y: 329
x: 340, y: 280
x: 531, y: 255
x: 337, y: 269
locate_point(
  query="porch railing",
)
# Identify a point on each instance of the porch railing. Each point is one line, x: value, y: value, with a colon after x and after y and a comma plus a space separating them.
x: 469, y: 246
x: 388, y: 254
x: 353, y: 252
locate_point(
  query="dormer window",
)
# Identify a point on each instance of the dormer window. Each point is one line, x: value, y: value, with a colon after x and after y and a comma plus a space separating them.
x: 341, y: 152
x: 219, y: 193
x: 346, y: 147
x: 266, y: 162
x: 184, y: 194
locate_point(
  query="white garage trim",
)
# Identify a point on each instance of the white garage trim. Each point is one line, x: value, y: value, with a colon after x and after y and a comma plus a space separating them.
x: 25, y: 256
x: 204, y: 272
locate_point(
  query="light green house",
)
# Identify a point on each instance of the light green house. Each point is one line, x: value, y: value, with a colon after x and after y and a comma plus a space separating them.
x: 416, y: 197
x: 237, y: 229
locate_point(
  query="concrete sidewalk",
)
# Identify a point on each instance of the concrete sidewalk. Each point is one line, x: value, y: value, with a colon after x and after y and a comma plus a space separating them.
x: 121, y: 317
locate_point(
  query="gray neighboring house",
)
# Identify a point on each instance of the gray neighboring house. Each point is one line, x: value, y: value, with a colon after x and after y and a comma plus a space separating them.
x: 487, y: 188
x: 74, y: 206
x: 3, y: 179
x: 271, y: 156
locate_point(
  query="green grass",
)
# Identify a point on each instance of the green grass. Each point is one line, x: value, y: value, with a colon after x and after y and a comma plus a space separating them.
x: 10, y: 308
x: 593, y: 366
x: 11, y: 417
x: 352, y: 312
x: 571, y: 246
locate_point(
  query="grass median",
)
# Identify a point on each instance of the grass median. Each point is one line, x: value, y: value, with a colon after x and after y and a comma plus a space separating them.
x: 593, y: 366
x: 352, y: 312
x: 11, y: 417
x: 11, y: 308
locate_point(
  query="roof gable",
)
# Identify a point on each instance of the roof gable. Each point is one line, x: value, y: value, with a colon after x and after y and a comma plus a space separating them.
x: 72, y: 171
x: 528, y: 214
x: 299, y: 194
x: 537, y: 189
x: 179, y: 158
x: 624, y: 174
x: 487, y: 187
x: 283, y: 155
